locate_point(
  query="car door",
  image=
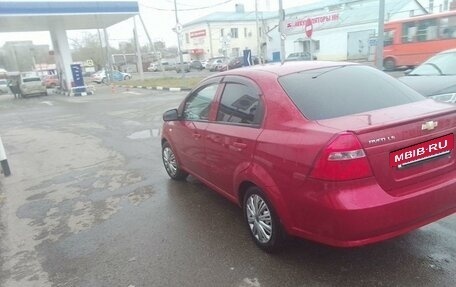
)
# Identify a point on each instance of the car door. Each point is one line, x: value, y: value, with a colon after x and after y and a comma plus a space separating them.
x: 117, y: 76
x: 188, y: 133
x: 231, y: 138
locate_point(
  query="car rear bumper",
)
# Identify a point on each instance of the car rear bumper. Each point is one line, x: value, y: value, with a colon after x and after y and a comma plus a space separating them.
x: 345, y: 216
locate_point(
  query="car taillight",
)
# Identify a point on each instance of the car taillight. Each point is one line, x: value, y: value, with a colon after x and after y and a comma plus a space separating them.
x: 342, y: 159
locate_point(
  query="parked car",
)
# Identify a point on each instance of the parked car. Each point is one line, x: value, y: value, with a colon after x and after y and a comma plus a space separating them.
x: 165, y: 65
x: 204, y: 63
x: 4, y: 86
x: 101, y: 77
x: 30, y: 84
x: 153, y: 67
x: 51, y: 81
x: 196, y: 65
x: 435, y: 78
x: 376, y: 163
x: 214, y: 62
x: 235, y: 63
x: 185, y: 66
x: 301, y: 56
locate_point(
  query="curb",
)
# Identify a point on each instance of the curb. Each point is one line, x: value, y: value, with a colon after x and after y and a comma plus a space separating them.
x: 157, y: 88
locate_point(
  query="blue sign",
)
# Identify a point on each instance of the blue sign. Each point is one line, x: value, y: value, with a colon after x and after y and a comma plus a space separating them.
x: 248, y: 57
x: 78, y: 79
x: 276, y: 56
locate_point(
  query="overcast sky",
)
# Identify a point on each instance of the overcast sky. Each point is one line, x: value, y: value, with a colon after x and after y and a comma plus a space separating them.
x: 159, y: 19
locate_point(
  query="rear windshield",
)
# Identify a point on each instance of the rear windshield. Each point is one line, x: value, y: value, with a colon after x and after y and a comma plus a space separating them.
x: 344, y: 90
x: 27, y: 80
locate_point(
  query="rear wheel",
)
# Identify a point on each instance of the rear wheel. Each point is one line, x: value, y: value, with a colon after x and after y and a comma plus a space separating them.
x: 126, y: 78
x: 262, y: 221
x: 171, y: 164
x: 389, y: 64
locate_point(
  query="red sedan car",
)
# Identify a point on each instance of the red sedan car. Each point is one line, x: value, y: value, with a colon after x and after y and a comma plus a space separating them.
x: 338, y: 153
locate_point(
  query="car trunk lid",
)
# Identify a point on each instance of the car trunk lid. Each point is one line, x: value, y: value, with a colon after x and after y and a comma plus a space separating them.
x: 404, y: 144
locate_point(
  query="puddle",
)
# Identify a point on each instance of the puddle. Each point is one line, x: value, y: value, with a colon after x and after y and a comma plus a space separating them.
x: 145, y: 134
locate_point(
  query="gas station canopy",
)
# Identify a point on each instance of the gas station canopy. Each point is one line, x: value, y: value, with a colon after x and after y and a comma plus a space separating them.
x: 21, y: 16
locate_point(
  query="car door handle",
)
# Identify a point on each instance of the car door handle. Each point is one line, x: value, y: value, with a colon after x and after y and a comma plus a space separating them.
x: 239, y: 145
x: 214, y: 138
x: 196, y: 136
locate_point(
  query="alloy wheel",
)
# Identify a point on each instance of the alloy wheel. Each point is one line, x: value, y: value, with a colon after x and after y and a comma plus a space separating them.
x: 259, y: 218
x: 169, y: 159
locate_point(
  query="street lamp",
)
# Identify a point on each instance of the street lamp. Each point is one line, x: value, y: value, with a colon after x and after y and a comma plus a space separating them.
x: 178, y: 33
x: 381, y: 30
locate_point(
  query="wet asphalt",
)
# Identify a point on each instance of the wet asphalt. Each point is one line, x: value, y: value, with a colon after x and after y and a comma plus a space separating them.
x: 89, y: 204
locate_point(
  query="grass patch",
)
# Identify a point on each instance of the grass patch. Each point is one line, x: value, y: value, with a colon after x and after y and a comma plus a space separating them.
x: 187, y: 82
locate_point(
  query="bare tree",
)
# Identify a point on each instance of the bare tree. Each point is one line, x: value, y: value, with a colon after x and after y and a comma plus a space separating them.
x: 88, y: 47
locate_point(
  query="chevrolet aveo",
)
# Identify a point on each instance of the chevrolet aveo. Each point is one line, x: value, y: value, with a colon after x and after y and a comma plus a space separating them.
x: 338, y: 153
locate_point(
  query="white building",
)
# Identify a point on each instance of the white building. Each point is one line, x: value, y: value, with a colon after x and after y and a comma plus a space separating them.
x: 436, y: 6
x: 221, y: 33
x: 342, y: 29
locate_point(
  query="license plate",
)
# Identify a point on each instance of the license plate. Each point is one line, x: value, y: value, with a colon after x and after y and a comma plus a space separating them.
x: 423, y: 151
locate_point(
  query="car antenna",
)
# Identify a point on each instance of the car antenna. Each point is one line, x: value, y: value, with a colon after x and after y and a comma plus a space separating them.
x: 327, y: 71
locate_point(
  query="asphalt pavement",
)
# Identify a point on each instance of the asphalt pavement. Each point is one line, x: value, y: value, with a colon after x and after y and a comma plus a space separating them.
x: 89, y: 204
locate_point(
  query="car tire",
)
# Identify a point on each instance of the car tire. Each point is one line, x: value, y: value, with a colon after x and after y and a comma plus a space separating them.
x: 171, y: 164
x: 126, y: 78
x: 260, y: 216
x: 389, y: 64
x: 104, y: 81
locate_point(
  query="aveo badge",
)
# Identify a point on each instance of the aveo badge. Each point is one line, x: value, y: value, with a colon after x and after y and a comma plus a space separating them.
x: 423, y: 151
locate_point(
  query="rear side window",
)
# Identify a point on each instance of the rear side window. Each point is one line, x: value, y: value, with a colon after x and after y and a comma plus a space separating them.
x: 240, y: 104
x: 27, y: 80
x: 344, y: 90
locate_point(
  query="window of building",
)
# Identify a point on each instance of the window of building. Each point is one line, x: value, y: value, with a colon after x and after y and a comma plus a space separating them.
x: 245, y: 32
x: 240, y: 104
x: 235, y: 52
x: 427, y: 30
x: 431, y: 6
x: 234, y: 33
x: 260, y: 32
x: 445, y: 5
x: 447, y: 27
x: 221, y: 32
x: 409, y: 32
x: 187, y: 38
x: 316, y: 45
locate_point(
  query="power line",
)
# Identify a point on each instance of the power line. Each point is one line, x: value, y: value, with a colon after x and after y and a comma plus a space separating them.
x: 188, y: 9
x: 181, y: 4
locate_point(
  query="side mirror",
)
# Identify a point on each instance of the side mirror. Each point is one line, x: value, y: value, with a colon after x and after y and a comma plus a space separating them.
x: 408, y: 71
x: 171, y: 115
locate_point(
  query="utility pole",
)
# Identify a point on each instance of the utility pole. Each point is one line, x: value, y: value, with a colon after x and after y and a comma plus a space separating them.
x: 138, y: 51
x: 380, y: 36
x: 108, y: 56
x: 258, y: 34
x: 281, y: 32
x: 178, y: 32
x: 152, y: 44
